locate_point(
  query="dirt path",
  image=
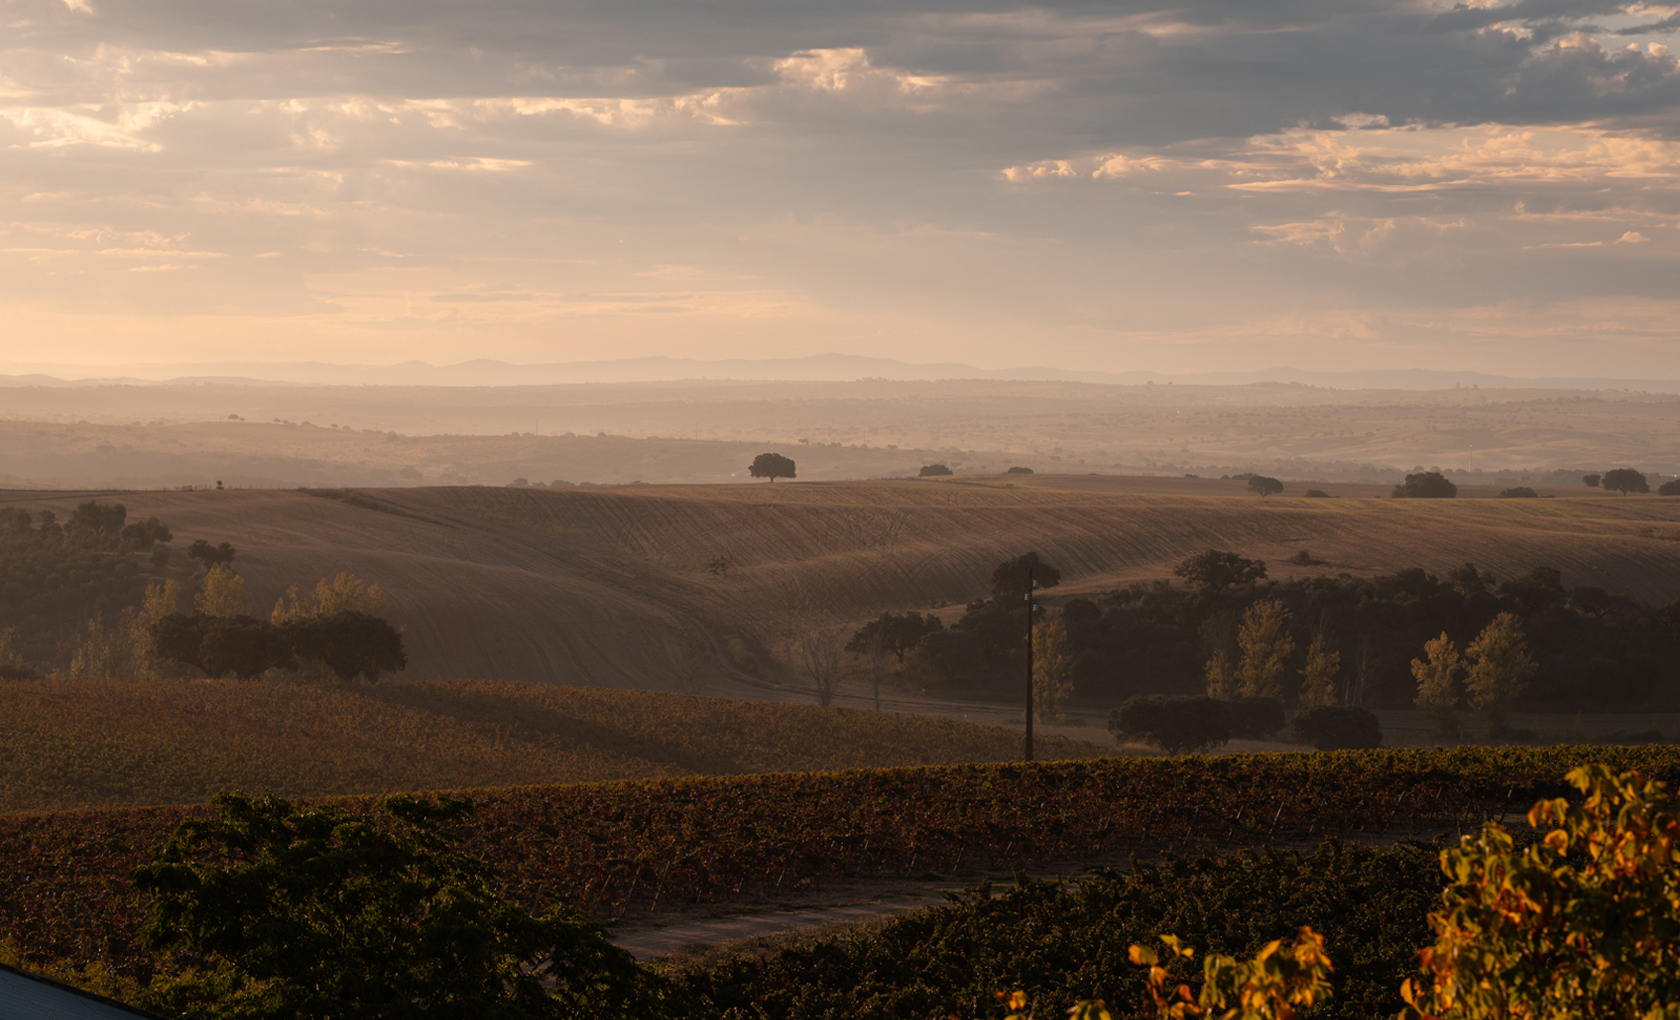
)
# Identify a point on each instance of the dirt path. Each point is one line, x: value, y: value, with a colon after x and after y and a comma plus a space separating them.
x: 692, y: 937
x: 728, y: 929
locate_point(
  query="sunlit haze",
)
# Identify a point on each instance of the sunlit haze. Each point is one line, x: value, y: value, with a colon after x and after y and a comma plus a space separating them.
x: 1357, y: 184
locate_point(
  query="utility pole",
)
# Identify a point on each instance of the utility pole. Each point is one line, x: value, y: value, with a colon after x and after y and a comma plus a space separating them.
x: 1027, y: 752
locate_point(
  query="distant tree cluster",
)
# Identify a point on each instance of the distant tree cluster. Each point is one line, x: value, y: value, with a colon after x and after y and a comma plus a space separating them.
x: 933, y: 471
x: 343, y: 626
x: 351, y: 644
x: 1019, y: 471
x: 56, y: 575
x: 1519, y: 492
x: 1308, y: 642
x: 1425, y: 485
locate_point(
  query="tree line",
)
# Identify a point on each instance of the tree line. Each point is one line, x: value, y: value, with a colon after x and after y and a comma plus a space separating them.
x: 92, y: 597
x: 1227, y: 630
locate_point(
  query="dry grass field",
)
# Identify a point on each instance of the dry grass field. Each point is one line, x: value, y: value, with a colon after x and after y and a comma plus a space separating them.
x: 604, y: 587
x: 74, y: 744
x: 256, y: 435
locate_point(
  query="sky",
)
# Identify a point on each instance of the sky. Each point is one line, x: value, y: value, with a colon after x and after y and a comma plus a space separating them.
x: 1206, y: 185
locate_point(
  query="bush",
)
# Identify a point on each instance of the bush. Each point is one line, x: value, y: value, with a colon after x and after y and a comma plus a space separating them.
x: 933, y: 471
x: 291, y: 911
x: 351, y: 643
x: 1520, y: 492
x: 1332, y: 728
x: 1428, y: 485
x: 1019, y: 471
x: 1255, y: 718
x: 1316, y: 494
x: 1174, y: 724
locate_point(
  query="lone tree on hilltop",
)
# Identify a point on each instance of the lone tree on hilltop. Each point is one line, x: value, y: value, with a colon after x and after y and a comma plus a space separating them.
x: 1624, y: 481
x: 1009, y: 580
x: 1427, y: 485
x: 771, y: 466
x: 1264, y: 486
x: 1214, y: 571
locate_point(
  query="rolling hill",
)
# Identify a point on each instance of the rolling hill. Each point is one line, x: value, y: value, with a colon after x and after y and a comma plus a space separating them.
x: 77, y: 744
x: 609, y: 586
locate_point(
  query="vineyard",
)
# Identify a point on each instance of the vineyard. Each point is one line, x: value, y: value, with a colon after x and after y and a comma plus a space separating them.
x: 72, y: 744
x: 615, y: 848
x: 602, y: 587
x: 1060, y: 944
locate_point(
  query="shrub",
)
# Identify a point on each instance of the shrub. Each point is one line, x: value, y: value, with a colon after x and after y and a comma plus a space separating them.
x: 1214, y: 570
x: 319, y: 912
x: 1174, y: 724
x: 1019, y: 471
x: 1427, y: 485
x: 1335, y: 728
x: 1581, y: 923
x: 1316, y: 494
x: 1255, y: 718
x: 1519, y: 492
x: 933, y: 471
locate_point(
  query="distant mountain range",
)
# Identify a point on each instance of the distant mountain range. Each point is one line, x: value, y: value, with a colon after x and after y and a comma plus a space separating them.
x: 816, y: 368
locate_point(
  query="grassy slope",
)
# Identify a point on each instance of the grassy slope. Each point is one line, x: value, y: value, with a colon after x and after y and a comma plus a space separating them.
x: 93, y: 743
x: 594, y: 587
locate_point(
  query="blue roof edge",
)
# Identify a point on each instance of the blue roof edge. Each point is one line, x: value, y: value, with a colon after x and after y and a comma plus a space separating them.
x: 83, y: 992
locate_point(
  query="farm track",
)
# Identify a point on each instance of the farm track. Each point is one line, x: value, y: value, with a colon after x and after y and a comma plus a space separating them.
x: 597, y: 586
x: 843, y: 905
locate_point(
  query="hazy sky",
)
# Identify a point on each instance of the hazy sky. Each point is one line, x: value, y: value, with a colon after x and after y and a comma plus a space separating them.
x: 1213, y: 184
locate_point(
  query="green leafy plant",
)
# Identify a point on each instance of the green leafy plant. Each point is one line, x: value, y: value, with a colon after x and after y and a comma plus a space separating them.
x: 1584, y: 923
x: 274, y: 910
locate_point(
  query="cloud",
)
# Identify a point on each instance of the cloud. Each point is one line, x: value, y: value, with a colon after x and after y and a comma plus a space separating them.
x: 917, y: 173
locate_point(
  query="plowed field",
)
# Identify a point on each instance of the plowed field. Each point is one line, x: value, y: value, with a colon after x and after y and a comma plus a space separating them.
x: 601, y: 587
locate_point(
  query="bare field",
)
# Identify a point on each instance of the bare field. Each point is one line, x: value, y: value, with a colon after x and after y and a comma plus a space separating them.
x: 70, y: 745
x: 265, y: 435
x: 603, y: 587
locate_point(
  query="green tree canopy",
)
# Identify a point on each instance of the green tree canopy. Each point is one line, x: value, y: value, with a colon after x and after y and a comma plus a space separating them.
x: 1624, y: 481
x: 1215, y: 571
x: 1010, y: 577
x: 771, y: 466
x: 1426, y: 485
